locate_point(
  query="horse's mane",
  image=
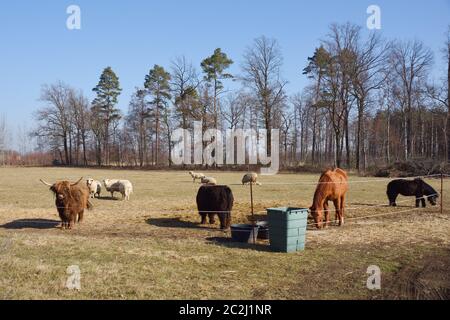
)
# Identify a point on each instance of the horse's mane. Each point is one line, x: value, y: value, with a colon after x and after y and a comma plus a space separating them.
x: 322, y: 186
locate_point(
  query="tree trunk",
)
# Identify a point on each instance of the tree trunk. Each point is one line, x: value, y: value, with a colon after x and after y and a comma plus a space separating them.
x: 106, y: 142
x: 314, y: 138
x: 347, y: 142
x: 358, y: 142
x: 337, y: 151
x: 409, y: 129
x: 448, y: 105
x: 157, y: 136
x: 66, y: 150
x: 84, y: 149
x: 388, y: 142
x: 405, y: 133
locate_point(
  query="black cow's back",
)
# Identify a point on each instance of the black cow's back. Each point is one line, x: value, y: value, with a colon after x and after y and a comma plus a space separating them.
x: 215, y: 198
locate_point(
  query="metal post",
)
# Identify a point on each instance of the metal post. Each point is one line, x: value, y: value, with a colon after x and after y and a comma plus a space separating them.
x: 253, y: 218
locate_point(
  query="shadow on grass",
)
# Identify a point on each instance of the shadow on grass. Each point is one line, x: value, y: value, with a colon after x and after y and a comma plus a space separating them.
x: 377, y: 205
x: 176, y: 223
x: 229, y: 243
x: 31, y: 224
x: 108, y: 198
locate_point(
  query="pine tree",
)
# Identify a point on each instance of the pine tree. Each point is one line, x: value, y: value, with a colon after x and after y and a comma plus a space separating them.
x: 103, y: 109
x: 158, y: 87
x: 214, y: 68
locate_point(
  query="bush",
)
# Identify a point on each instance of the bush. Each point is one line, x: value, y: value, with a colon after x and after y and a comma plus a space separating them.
x: 412, y: 168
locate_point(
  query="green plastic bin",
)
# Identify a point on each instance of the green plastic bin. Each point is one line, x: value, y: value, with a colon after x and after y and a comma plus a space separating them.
x: 287, y: 229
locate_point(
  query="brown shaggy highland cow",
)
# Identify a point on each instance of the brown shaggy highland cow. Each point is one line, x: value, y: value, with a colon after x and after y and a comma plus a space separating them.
x: 332, y: 186
x: 71, y: 200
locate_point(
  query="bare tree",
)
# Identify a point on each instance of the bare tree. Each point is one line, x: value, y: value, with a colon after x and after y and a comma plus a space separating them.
x: 54, y: 119
x: 410, y: 62
x: 368, y: 74
x: 287, y: 120
x: 235, y: 105
x: 447, y: 52
x: 184, y: 80
x: 79, y: 106
x: 339, y: 59
x: 262, y: 72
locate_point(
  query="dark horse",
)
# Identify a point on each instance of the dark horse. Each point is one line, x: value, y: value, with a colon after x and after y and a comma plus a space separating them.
x: 416, y: 187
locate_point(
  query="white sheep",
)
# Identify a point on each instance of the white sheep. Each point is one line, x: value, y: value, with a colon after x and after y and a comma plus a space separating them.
x: 95, y: 187
x: 209, y: 181
x: 196, y: 175
x: 123, y: 186
x: 250, y: 177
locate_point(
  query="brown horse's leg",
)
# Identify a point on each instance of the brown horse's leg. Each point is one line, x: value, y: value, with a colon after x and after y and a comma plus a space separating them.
x: 337, y: 206
x: 80, y: 216
x: 341, y: 222
x: 327, y: 214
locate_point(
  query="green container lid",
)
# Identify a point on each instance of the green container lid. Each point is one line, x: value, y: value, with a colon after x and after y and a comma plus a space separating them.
x: 288, y: 213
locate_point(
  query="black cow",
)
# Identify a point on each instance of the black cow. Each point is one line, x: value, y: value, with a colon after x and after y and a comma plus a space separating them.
x: 212, y: 200
x: 417, y: 187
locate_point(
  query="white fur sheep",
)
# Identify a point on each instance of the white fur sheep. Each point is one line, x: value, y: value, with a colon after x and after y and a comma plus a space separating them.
x: 95, y: 187
x: 196, y: 175
x: 209, y: 181
x: 250, y: 177
x: 123, y: 186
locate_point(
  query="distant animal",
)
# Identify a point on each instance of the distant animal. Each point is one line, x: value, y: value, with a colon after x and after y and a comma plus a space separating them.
x: 332, y: 186
x: 123, y: 186
x: 212, y: 200
x: 95, y: 187
x: 250, y: 177
x: 417, y: 187
x: 196, y: 175
x: 209, y: 181
x: 71, y: 201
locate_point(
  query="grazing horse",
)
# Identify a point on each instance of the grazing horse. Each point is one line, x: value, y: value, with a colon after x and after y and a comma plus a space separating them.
x: 417, y: 187
x: 332, y: 186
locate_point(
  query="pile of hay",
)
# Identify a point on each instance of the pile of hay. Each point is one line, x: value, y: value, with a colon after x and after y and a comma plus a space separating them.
x: 412, y: 168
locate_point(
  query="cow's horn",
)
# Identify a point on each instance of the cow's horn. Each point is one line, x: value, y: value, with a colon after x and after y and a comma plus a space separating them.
x: 46, y: 183
x: 74, y: 184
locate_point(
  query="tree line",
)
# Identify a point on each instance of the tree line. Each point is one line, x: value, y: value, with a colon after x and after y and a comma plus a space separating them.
x: 370, y: 101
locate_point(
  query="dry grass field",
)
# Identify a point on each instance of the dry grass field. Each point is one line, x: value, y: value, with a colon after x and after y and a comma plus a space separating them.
x: 152, y: 247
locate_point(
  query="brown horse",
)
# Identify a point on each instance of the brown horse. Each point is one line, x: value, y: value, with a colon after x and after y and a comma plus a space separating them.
x: 332, y: 187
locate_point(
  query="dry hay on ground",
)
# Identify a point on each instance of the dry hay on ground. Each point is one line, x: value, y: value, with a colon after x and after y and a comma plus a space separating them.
x: 153, y: 246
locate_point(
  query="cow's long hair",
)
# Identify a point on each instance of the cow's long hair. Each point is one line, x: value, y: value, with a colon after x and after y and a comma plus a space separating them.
x: 71, y: 199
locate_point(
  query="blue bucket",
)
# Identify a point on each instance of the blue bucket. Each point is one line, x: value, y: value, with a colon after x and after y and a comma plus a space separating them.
x: 244, y: 232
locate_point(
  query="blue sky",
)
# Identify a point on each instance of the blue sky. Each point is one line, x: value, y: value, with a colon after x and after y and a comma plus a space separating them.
x: 131, y: 36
